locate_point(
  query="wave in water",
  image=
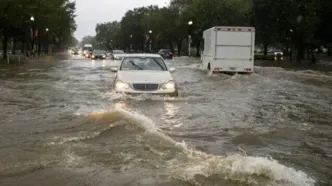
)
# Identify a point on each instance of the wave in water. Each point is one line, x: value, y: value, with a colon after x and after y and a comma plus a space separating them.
x: 194, y: 167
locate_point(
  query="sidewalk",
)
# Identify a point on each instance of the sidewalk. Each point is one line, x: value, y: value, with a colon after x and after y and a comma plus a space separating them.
x: 22, y: 58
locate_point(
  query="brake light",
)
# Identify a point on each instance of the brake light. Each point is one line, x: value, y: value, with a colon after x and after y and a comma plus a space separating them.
x: 171, y: 54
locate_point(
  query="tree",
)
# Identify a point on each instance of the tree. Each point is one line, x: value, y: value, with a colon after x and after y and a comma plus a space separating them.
x: 52, y: 19
x: 108, y: 34
x: 304, y: 24
x: 89, y: 40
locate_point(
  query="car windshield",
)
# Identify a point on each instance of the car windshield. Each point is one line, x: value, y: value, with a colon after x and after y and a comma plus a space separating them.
x: 118, y: 52
x: 143, y: 63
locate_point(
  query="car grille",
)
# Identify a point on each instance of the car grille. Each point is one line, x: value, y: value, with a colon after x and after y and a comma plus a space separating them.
x: 145, y: 87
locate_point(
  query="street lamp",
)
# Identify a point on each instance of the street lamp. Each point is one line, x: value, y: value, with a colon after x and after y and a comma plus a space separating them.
x: 33, y: 27
x: 190, y: 23
x: 150, y: 42
x: 47, y: 39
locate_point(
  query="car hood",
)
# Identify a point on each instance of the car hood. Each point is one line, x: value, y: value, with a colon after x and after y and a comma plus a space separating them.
x: 144, y: 76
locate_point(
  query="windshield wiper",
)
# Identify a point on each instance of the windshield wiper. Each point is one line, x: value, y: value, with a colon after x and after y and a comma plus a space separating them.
x: 140, y: 68
x: 158, y: 64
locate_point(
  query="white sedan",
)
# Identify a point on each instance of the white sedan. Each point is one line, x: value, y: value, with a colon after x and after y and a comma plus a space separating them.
x: 144, y: 73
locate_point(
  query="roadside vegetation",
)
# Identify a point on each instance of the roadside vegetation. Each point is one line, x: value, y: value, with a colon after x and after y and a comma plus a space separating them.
x: 32, y: 26
x: 303, y: 26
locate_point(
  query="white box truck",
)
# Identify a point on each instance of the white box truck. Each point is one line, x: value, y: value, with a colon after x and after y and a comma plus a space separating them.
x: 228, y: 49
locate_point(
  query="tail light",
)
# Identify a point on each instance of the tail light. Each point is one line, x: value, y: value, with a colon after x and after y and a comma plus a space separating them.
x: 171, y: 54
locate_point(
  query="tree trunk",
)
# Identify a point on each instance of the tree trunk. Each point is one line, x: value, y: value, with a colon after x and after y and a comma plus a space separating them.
x: 313, y: 57
x: 22, y: 46
x: 198, y: 49
x: 14, y: 46
x: 308, y: 53
x: 286, y: 53
x: 171, y: 45
x: 179, y: 45
x: 39, y: 44
x: 329, y: 52
x: 300, y: 53
x: 5, y: 44
x: 265, y: 48
x: 300, y: 48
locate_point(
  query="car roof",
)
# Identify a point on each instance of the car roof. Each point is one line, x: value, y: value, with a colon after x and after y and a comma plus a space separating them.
x: 142, y: 55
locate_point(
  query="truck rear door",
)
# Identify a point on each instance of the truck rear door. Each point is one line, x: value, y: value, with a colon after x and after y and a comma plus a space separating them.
x: 234, y: 46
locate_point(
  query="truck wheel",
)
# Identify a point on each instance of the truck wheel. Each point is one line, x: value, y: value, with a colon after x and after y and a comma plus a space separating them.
x: 209, y: 72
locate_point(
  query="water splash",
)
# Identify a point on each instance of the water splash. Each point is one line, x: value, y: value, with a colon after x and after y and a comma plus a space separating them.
x: 188, y: 163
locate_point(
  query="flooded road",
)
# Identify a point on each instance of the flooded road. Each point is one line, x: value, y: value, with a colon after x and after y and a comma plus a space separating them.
x: 62, y: 125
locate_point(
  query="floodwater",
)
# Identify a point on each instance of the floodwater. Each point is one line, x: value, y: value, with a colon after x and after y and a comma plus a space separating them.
x: 61, y: 124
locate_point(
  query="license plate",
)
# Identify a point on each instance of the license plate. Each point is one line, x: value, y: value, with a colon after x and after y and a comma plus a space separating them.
x: 232, y: 68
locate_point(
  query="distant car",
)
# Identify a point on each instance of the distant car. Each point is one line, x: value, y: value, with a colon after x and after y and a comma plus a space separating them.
x: 278, y: 54
x: 144, y: 74
x: 117, y: 54
x: 166, y: 53
x: 98, y: 54
x: 75, y: 51
x: 88, y: 53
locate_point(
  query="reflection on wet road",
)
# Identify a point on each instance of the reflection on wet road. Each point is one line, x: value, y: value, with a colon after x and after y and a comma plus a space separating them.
x: 62, y: 125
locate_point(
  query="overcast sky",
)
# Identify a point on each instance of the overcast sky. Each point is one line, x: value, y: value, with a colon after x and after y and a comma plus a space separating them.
x: 91, y: 12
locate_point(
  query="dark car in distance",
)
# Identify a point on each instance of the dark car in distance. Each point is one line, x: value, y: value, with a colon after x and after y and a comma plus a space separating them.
x: 98, y: 54
x: 75, y: 51
x: 166, y: 53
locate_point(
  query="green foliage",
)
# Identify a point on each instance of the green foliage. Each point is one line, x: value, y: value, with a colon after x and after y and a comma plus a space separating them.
x: 278, y: 22
x: 55, y: 15
x: 88, y: 40
x: 107, y: 34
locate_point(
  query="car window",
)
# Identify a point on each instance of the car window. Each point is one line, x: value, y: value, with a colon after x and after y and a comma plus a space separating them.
x: 143, y: 63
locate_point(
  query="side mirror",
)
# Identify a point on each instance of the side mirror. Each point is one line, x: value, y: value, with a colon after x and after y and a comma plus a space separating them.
x: 114, y: 69
x: 172, y: 69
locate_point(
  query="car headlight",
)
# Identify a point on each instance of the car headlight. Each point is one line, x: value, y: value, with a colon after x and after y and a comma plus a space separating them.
x: 104, y: 56
x: 169, y: 85
x: 120, y: 85
x: 93, y: 56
